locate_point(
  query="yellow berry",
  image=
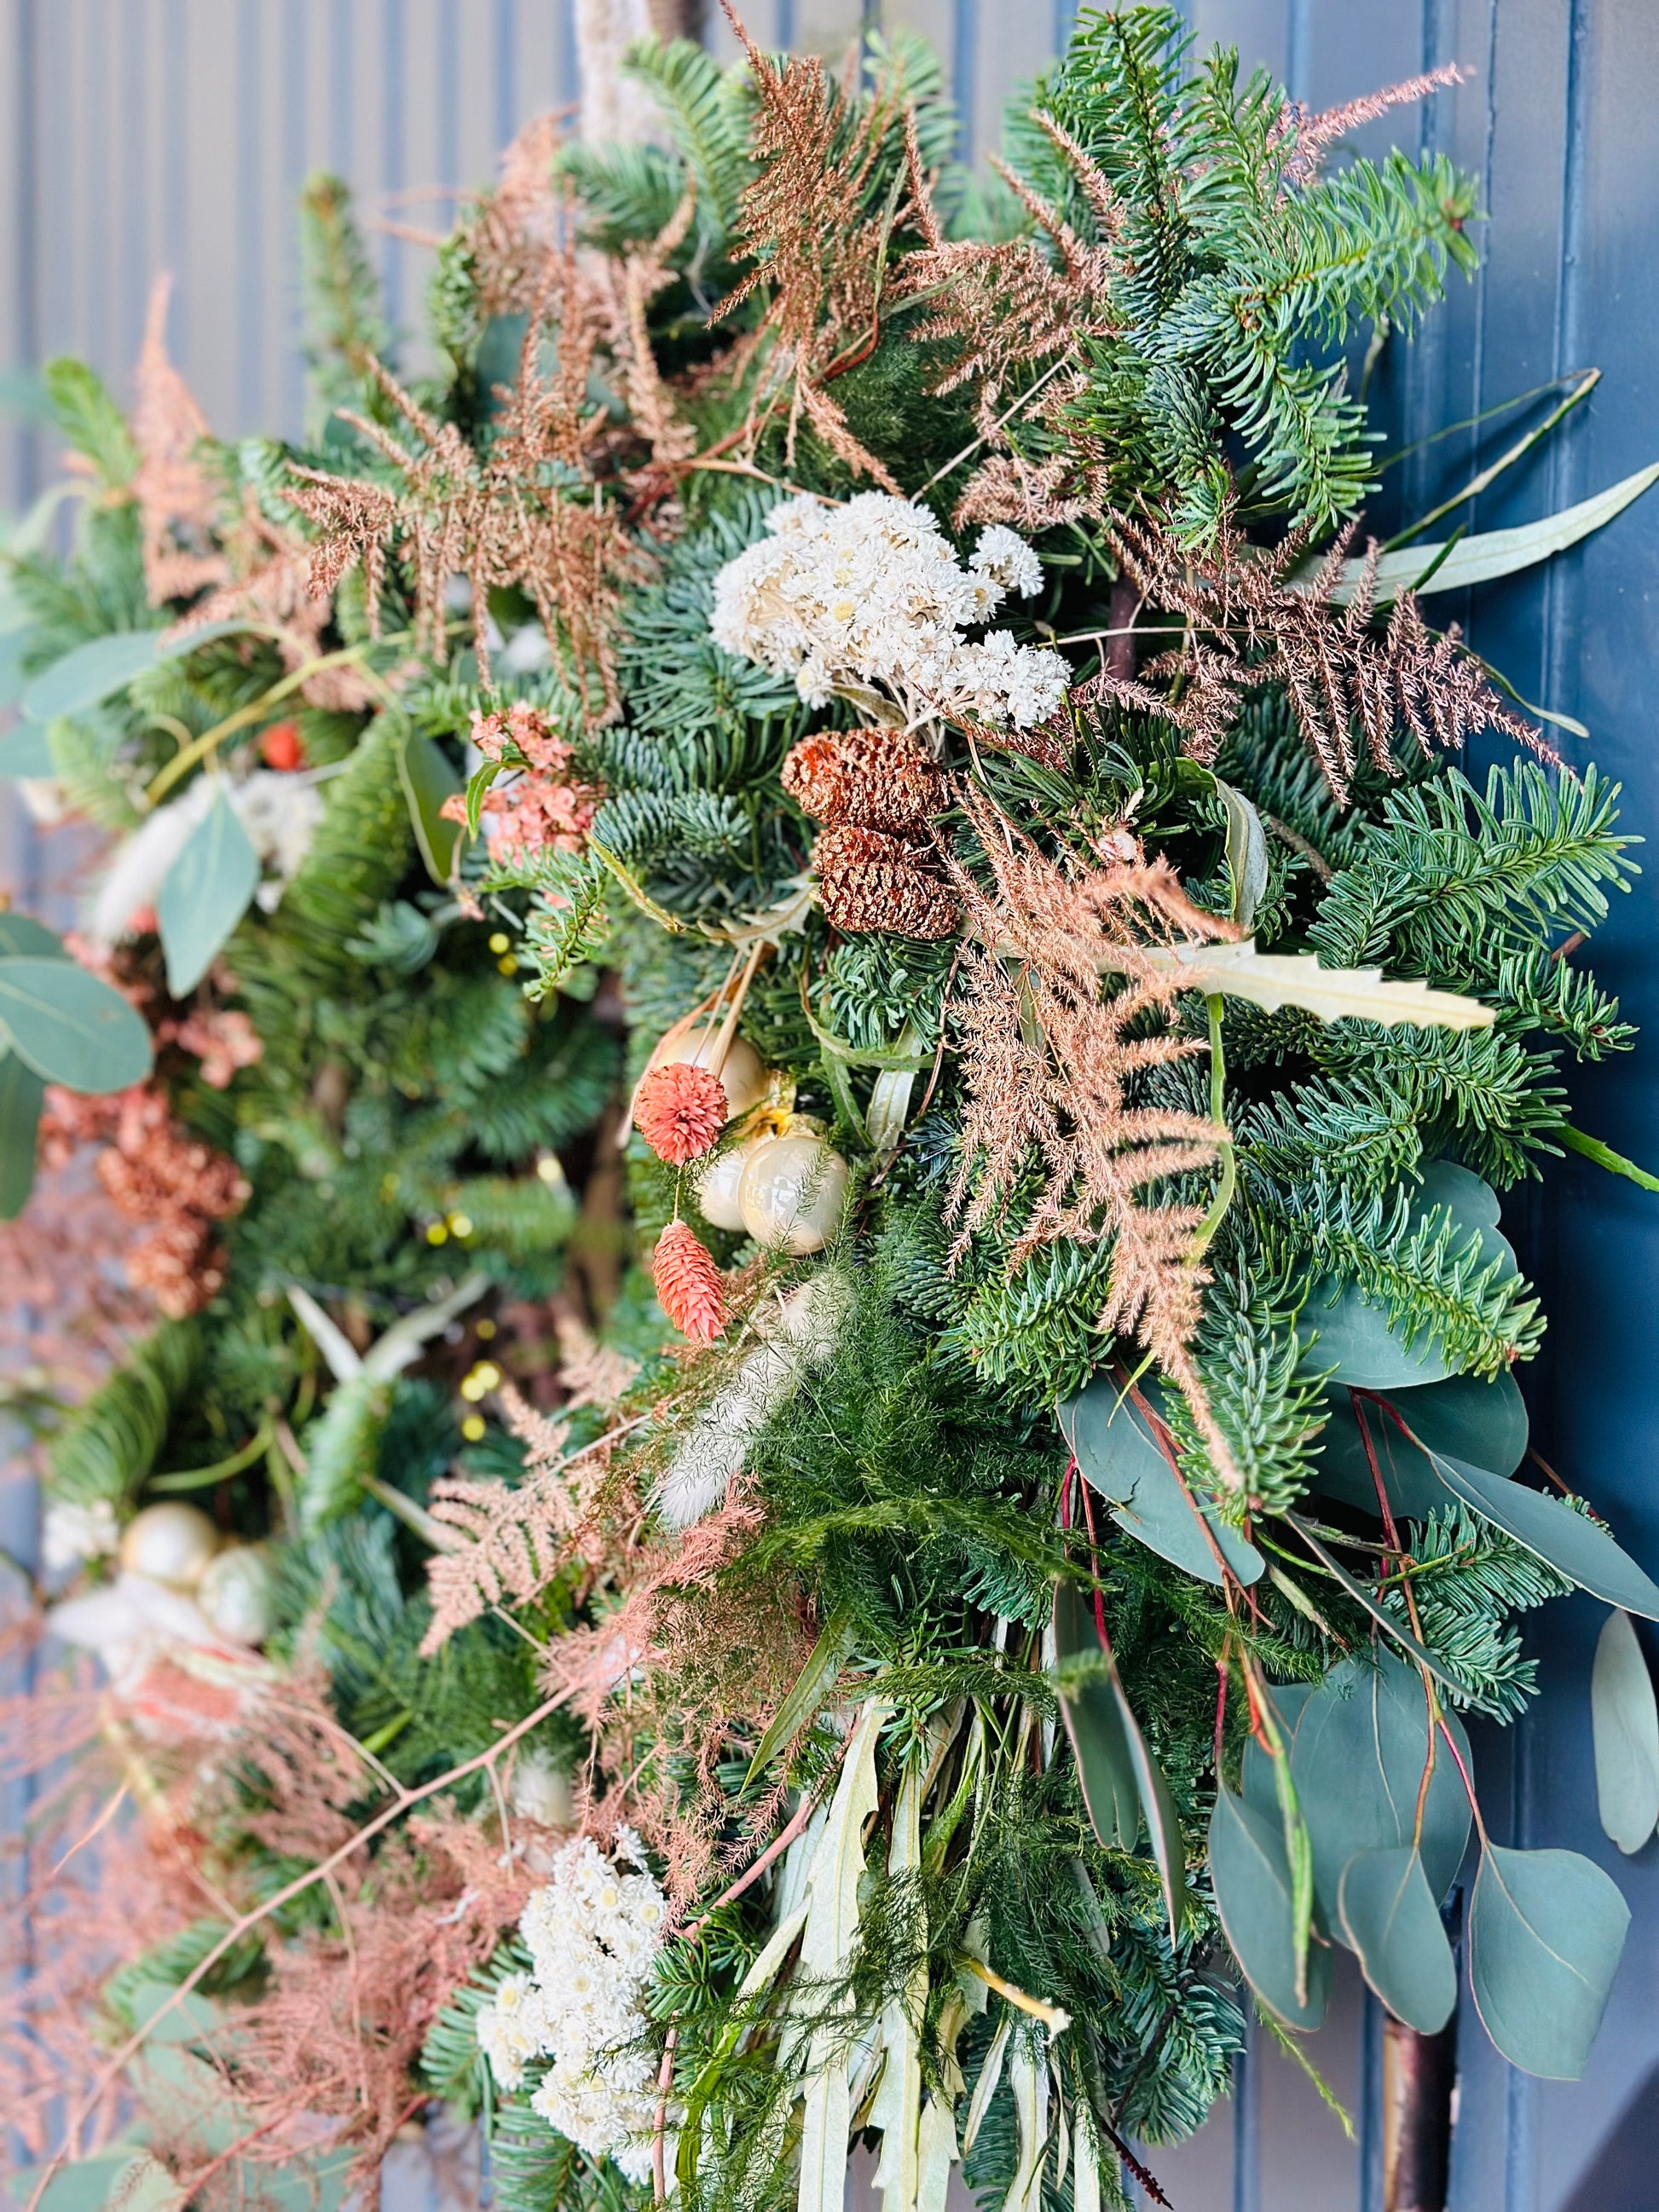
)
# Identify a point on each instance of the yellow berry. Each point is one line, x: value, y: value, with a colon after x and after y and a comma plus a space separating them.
x: 460, y: 1225
x: 507, y: 964
x: 486, y: 1330
x: 499, y: 940
x: 472, y: 1427
x: 437, y: 1234
x: 547, y: 1167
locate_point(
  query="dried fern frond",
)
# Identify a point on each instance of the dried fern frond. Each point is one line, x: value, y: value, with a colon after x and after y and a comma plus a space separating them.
x: 813, y: 248
x: 523, y: 512
x: 1251, y: 620
x: 1049, y: 1061
x: 1010, y: 306
x: 509, y: 1542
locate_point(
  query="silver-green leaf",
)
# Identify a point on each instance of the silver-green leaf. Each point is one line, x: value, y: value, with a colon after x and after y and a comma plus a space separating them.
x: 1118, y: 1455
x: 1571, y: 1543
x: 207, y: 890
x: 89, y: 673
x: 1546, y: 1932
x: 1251, y: 1878
x: 1357, y: 1760
x: 1624, y: 1723
x: 1391, y: 1918
x: 71, y: 1027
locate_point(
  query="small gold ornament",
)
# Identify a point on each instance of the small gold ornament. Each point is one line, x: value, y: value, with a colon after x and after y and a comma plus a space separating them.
x: 790, y: 1191
x: 171, y: 1543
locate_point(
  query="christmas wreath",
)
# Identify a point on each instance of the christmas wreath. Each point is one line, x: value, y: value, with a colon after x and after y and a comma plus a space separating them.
x: 804, y: 1029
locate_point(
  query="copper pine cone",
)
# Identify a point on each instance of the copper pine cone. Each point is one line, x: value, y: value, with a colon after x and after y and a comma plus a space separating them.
x: 868, y: 882
x: 873, y: 779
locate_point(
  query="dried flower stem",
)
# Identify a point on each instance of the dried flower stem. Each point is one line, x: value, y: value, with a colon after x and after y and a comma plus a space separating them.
x: 403, y: 1802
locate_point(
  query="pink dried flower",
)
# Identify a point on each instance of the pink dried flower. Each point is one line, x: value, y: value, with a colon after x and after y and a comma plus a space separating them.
x: 687, y: 1284
x: 680, y: 1111
x: 223, y: 1040
x: 528, y: 729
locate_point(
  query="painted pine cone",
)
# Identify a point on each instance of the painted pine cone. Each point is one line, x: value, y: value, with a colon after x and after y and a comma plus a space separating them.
x: 873, y: 779
x: 868, y: 881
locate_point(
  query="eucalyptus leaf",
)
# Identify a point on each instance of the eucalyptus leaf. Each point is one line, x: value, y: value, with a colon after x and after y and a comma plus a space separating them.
x: 1351, y: 1341
x: 20, y: 1093
x: 89, y: 673
x: 1094, y: 1724
x: 1118, y: 1455
x: 1357, y: 1760
x: 1163, y: 1823
x: 1256, y: 1784
x: 26, y: 753
x: 1546, y: 1932
x: 1624, y: 1724
x: 1482, y: 1421
x: 1572, y: 1544
x: 206, y: 891
x: 1392, y: 1923
x: 1253, y: 1893
x: 22, y: 937
x: 70, y: 1026
x: 428, y: 781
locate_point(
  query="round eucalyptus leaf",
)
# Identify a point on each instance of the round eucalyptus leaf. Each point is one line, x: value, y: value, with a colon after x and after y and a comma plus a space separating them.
x: 1546, y: 1932
x: 1256, y: 1784
x: 70, y: 1027
x: 1625, y: 1724
x: 20, y: 937
x: 1252, y: 1882
x: 1347, y: 1335
x: 1118, y: 1455
x: 1357, y: 1760
x: 1482, y: 1422
x: 1573, y: 1544
x: 86, y: 675
x: 1392, y: 1924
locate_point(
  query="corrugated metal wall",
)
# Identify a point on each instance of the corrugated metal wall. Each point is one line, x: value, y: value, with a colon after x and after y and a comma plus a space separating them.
x: 151, y: 134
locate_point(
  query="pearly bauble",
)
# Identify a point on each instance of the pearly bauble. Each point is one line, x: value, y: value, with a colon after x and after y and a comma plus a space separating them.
x: 716, y: 1186
x: 743, y: 1076
x: 790, y: 1191
x: 236, y: 1594
x: 171, y: 1543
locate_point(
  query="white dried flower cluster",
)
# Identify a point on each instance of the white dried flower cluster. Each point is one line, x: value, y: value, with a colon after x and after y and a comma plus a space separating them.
x: 871, y: 593
x: 592, y: 1935
x: 72, y: 1534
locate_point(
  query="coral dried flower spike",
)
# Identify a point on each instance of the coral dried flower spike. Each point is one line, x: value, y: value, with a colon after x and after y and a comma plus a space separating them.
x: 689, y: 1284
